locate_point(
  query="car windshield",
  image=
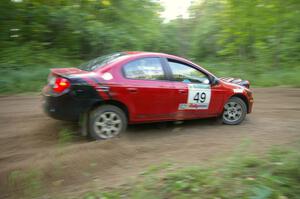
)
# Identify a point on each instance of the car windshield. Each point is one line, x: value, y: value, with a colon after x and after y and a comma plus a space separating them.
x: 100, y: 61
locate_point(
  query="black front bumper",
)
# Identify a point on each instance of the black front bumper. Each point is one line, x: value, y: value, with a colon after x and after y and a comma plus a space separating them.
x: 68, y: 106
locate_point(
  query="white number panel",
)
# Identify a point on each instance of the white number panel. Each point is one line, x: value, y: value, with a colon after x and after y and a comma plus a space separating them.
x: 198, y: 97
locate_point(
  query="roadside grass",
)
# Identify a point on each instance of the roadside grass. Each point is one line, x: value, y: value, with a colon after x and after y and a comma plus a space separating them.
x: 65, y: 136
x: 31, y: 78
x: 27, y: 184
x: 274, y: 175
x: 157, y: 168
x: 23, y: 80
x: 25, y: 68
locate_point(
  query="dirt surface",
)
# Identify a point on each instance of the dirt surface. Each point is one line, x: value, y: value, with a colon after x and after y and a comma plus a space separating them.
x: 30, y: 143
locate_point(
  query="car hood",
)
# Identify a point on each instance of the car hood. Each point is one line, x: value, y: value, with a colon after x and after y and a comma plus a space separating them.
x: 238, y: 81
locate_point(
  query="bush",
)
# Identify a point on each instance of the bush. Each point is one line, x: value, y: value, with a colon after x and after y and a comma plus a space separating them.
x: 25, y: 68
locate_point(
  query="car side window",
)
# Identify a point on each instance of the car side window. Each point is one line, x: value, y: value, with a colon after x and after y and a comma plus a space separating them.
x: 145, y: 68
x: 185, y: 73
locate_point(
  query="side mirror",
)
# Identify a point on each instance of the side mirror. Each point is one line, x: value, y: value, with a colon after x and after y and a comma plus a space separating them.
x: 214, y: 81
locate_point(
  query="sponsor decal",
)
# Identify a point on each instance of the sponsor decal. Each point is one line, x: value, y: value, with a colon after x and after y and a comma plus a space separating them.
x: 182, y: 106
x: 199, y: 86
x: 103, y: 91
x: 197, y: 106
x: 192, y: 106
x: 238, y: 90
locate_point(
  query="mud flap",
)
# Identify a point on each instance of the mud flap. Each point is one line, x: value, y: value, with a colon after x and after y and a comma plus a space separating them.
x: 83, y: 123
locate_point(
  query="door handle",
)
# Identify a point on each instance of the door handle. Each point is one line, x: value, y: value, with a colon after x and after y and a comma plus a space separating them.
x: 132, y: 90
x: 182, y: 91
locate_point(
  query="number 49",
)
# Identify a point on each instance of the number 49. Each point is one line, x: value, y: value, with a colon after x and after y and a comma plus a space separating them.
x: 200, y: 97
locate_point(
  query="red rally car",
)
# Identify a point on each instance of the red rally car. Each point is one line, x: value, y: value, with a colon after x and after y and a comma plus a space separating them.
x: 135, y: 87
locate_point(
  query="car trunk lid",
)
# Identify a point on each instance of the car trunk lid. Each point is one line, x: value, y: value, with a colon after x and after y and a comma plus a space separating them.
x: 65, y: 72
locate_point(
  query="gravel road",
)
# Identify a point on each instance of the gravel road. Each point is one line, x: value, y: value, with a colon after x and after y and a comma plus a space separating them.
x: 30, y: 141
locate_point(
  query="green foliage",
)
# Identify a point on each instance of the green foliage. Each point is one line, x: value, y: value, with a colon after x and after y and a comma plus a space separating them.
x: 65, y: 136
x: 257, y: 39
x: 84, y: 29
x: 157, y: 168
x: 28, y: 183
x: 276, y: 175
x: 258, y: 30
x: 259, y: 74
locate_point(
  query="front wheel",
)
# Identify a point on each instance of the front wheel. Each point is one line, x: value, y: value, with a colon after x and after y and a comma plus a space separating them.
x: 235, y: 111
x: 106, y: 122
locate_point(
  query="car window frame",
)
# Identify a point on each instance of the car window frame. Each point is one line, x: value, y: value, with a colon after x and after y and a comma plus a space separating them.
x: 165, y: 70
x: 171, y: 76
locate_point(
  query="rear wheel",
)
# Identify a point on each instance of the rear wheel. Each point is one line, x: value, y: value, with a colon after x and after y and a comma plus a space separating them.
x: 235, y: 111
x: 106, y: 122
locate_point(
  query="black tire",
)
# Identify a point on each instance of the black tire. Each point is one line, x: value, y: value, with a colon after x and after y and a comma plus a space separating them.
x: 102, y: 127
x: 234, y: 111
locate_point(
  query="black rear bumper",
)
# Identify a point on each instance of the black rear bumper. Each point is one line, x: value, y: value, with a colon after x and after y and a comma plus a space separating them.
x: 62, y: 107
x: 68, y: 106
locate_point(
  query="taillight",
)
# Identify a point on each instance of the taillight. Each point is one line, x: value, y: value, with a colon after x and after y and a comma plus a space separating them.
x: 60, y: 84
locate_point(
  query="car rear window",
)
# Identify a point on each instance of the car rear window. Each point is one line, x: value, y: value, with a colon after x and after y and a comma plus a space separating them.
x: 101, y: 61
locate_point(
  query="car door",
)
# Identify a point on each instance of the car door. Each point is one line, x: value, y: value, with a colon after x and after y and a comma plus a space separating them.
x: 148, y: 90
x: 195, y: 96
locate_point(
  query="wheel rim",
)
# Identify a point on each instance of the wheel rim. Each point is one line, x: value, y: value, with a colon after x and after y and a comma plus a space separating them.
x: 108, y: 125
x: 232, y: 112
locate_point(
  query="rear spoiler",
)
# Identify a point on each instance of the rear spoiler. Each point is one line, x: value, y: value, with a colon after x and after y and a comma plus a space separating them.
x: 66, y: 72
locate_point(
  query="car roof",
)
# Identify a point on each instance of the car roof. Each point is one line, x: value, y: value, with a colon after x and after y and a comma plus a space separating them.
x: 143, y: 53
